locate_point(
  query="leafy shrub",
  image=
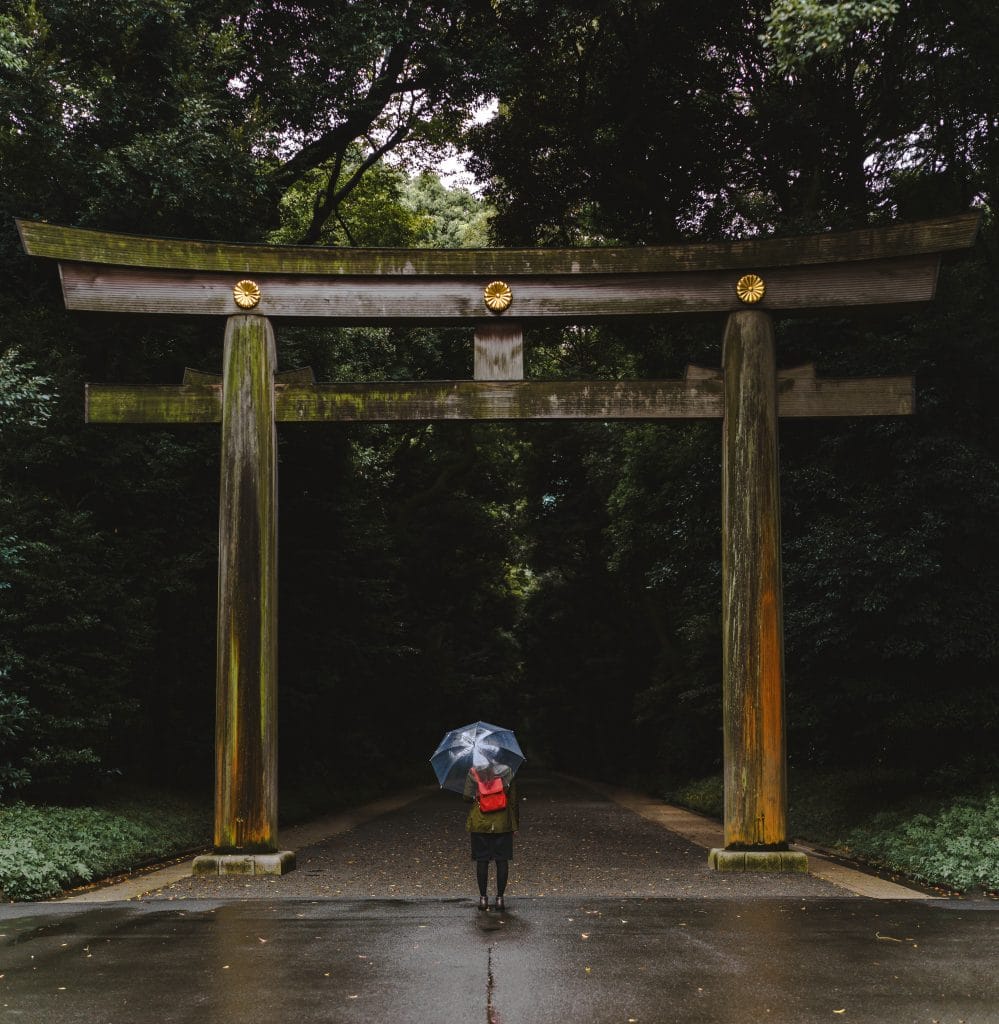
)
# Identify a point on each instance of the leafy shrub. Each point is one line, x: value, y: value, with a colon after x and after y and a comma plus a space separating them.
x: 14, y: 711
x: 44, y: 850
x: 956, y: 847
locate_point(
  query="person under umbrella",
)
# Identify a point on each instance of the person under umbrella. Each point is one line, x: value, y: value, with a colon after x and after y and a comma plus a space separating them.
x: 480, y: 761
x: 491, y: 822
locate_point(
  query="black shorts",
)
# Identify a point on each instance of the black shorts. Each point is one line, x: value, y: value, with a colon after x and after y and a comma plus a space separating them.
x: 492, y: 845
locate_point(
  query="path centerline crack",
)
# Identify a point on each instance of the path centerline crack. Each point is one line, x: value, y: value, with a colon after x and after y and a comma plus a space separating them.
x: 492, y: 1015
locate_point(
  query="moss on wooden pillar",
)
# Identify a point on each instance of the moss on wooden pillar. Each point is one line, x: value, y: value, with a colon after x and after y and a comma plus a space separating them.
x: 246, y: 692
x: 752, y: 628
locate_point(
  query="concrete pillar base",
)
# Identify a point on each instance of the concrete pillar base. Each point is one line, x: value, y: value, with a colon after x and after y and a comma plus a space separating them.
x: 279, y: 863
x: 757, y: 860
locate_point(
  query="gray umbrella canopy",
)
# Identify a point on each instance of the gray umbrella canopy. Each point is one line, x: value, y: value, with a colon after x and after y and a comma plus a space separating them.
x: 480, y: 746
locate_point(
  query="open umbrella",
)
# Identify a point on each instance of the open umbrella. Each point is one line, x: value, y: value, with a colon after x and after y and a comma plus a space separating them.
x: 480, y: 746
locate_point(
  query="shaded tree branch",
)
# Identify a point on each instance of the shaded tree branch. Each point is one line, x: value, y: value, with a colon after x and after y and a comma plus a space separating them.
x: 346, y: 228
x: 328, y: 203
x: 356, y: 123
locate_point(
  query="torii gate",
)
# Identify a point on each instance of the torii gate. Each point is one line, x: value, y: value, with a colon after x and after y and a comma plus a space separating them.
x: 497, y: 292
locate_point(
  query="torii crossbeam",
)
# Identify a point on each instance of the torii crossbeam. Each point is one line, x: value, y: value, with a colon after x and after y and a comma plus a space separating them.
x: 497, y: 292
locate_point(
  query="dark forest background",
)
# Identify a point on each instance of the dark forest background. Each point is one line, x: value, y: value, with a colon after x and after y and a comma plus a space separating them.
x: 562, y: 579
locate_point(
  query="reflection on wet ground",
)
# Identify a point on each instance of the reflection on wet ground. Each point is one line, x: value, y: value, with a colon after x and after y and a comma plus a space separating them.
x: 552, y: 959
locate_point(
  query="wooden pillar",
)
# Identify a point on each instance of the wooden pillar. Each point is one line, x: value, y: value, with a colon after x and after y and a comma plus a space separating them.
x: 246, y: 664
x: 752, y: 628
x: 499, y: 352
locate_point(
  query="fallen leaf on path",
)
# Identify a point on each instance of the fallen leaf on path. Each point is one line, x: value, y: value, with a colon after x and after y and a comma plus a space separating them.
x: 887, y: 938
x: 840, y: 1011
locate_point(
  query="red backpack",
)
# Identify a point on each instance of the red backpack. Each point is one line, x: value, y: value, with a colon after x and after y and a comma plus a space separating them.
x: 491, y: 794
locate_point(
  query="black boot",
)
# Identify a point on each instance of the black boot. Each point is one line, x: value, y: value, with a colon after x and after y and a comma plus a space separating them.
x: 499, y: 904
x: 483, y: 903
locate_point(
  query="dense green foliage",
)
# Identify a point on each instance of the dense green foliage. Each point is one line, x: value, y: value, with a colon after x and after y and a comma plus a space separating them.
x: 954, y: 848
x: 560, y: 577
x: 44, y: 850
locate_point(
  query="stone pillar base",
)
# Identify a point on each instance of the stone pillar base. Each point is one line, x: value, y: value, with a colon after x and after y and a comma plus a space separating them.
x: 757, y: 860
x: 279, y: 863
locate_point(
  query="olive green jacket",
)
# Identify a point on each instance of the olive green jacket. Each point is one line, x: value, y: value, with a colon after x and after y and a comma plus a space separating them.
x: 507, y: 820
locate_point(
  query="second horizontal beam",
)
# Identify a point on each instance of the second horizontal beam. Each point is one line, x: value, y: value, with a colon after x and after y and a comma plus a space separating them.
x: 380, y: 402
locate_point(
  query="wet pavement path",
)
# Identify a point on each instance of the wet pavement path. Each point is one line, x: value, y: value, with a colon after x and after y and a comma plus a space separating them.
x: 611, y: 919
x: 573, y: 842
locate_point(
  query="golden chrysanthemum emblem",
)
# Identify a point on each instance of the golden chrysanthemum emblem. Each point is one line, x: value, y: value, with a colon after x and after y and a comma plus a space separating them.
x: 497, y: 296
x: 750, y: 288
x: 246, y: 294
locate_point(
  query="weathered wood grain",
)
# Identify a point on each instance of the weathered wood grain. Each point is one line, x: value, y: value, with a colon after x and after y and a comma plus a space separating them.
x: 56, y: 241
x: 697, y: 397
x: 499, y: 400
x: 129, y: 403
x: 417, y: 400
x: 499, y: 352
x: 246, y: 666
x: 816, y: 397
x: 800, y: 393
x: 386, y: 300
x: 752, y: 629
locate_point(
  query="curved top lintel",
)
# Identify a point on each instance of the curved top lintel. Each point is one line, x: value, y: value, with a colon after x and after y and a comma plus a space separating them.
x: 83, y: 245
